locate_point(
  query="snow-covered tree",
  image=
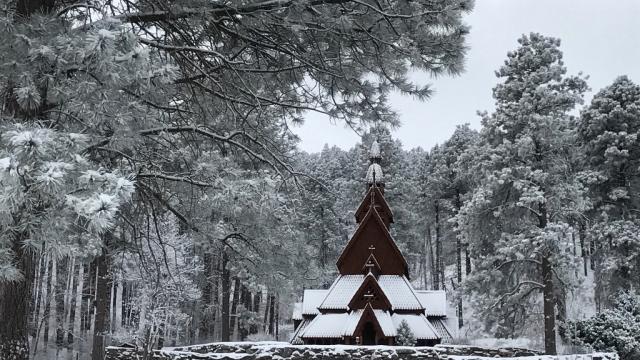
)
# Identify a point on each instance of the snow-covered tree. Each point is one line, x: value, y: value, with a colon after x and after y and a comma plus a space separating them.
x: 616, y: 329
x: 527, y: 188
x: 163, y: 283
x: 54, y: 193
x: 609, y: 129
x: 609, y: 132
x: 404, y: 335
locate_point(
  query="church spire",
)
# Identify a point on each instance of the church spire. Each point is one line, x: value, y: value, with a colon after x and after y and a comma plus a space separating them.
x: 374, y: 172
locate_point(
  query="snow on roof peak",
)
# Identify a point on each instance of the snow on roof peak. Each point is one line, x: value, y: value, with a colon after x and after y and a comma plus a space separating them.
x: 374, y: 153
x: 375, y: 172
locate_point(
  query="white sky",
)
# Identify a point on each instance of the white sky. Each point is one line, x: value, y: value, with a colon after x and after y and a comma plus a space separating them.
x: 599, y: 38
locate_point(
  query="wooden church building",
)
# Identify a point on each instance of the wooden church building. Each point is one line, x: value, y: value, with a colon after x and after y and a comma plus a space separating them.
x: 372, y: 295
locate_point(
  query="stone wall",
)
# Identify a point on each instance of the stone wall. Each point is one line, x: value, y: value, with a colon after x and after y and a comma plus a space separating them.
x: 285, y: 351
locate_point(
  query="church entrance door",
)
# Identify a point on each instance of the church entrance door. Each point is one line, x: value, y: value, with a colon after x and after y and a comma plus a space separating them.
x: 368, y: 334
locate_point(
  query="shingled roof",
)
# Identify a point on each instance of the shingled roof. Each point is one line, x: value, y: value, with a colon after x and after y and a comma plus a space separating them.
x: 434, y: 302
x: 311, y: 299
x: 396, y: 288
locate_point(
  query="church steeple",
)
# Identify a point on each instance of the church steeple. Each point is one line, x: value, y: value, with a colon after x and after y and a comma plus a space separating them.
x: 371, y: 248
x: 375, y: 188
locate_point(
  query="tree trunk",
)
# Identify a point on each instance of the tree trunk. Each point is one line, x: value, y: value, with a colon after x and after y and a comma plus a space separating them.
x: 265, y: 322
x: 467, y: 256
x: 584, y: 251
x: 548, y: 291
x: 272, y: 314
x: 432, y: 262
x: 597, y: 267
x: 46, y: 309
x: 40, y: 324
x: 549, y: 308
x: 15, y: 303
x: 53, y: 303
x: 205, y: 321
x: 77, y: 314
x: 103, y: 302
x: 276, y: 317
x: 68, y: 296
x: 323, y: 241
x: 117, y: 313
x: 37, y: 303
x: 226, y: 288
x: 234, y: 305
x: 215, y: 295
x: 243, y: 332
x: 257, y: 298
x: 423, y: 263
x: 458, y: 205
x: 439, y: 262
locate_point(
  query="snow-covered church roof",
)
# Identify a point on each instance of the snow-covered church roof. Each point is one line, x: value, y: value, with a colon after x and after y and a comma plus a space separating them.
x: 419, y: 325
x: 311, y: 300
x: 331, y: 326
x: 334, y: 325
x: 434, y: 302
x: 395, y: 287
x: 341, y: 292
x: 374, y: 172
x: 400, y: 292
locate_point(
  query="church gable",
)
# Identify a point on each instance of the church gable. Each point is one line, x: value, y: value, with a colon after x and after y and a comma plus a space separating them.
x: 375, y: 193
x: 369, y: 318
x: 370, y: 294
x: 371, y: 266
x: 372, y: 237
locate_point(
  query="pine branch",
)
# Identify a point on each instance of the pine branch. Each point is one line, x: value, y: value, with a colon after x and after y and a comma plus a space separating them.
x: 216, y: 10
x: 534, y: 284
x: 175, y: 178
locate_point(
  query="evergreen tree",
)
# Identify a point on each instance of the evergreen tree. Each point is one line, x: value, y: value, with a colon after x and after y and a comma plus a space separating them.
x: 54, y: 194
x: 616, y: 329
x: 527, y: 187
x: 404, y: 335
x: 459, y: 182
x: 609, y: 129
x: 609, y: 132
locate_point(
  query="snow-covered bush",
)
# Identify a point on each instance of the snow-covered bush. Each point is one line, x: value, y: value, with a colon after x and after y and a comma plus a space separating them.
x: 404, y: 336
x: 615, y: 329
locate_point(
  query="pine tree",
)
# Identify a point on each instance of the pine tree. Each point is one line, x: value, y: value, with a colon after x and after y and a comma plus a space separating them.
x: 527, y: 189
x: 404, y: 335
x: 616, y: 329
x: 609, y: 132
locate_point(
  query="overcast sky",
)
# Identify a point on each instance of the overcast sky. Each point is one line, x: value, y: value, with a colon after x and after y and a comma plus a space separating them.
x: 599, y: 38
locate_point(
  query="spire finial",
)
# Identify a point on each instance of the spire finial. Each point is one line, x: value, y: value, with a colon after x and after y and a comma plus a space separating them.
x: 374, y: 152
x: 374, y: 173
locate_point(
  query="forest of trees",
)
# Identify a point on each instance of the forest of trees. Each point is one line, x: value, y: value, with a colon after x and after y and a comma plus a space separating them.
x: 152, y: 191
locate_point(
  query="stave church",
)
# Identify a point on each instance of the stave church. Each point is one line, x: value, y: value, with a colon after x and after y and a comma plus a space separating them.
x: 372, y: 294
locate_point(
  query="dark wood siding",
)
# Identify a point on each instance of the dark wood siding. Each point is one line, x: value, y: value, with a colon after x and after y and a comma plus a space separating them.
x: 355, y: 256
